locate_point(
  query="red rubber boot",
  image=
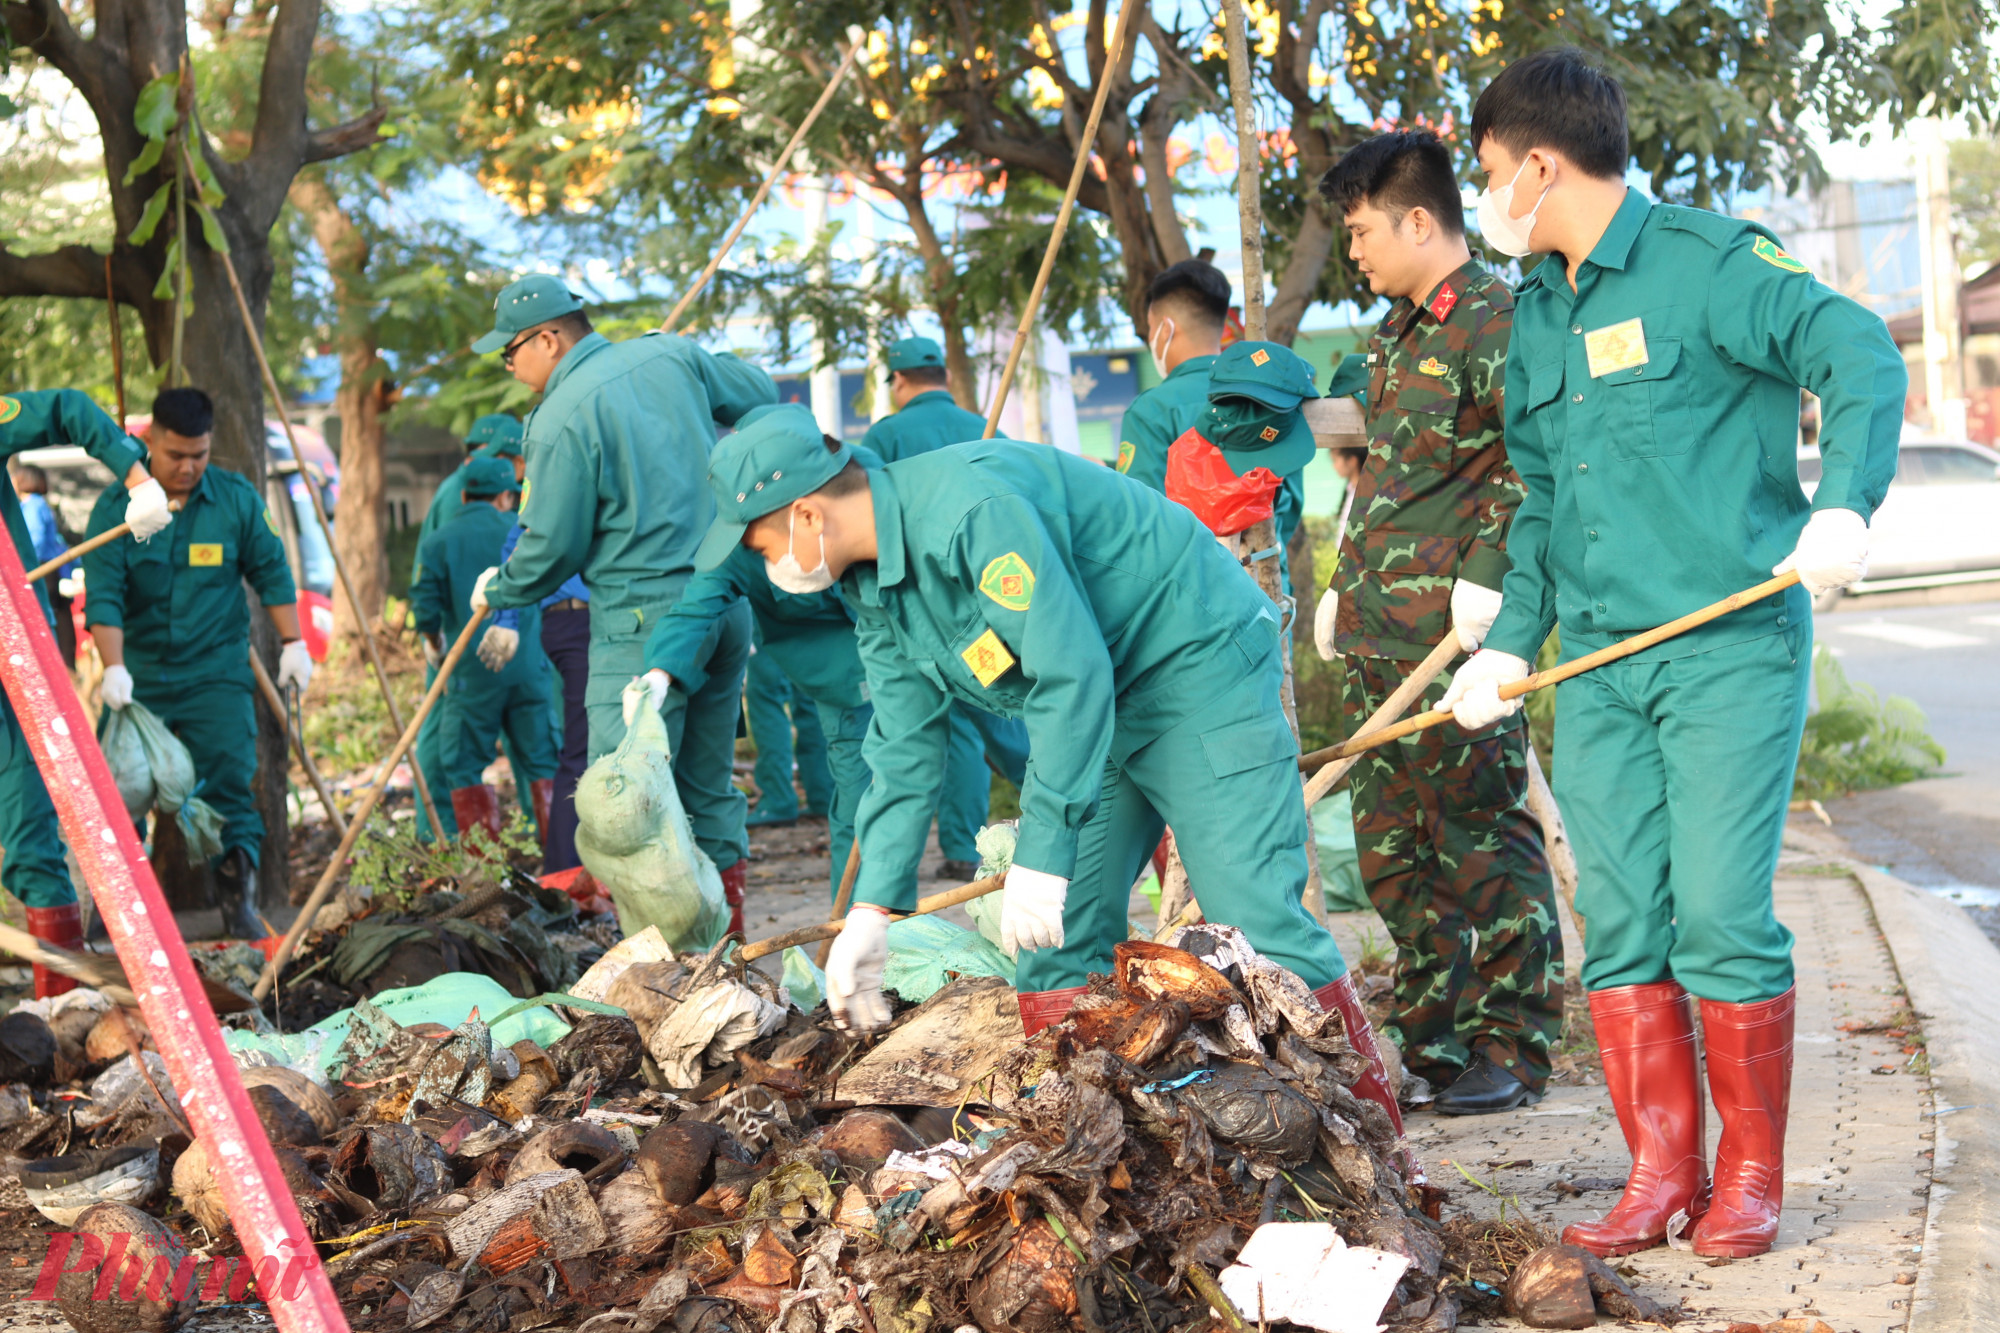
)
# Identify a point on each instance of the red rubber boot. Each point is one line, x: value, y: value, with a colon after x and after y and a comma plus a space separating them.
x: 1342, y: 998
x: 1046, y: 1008
x: 542, y: 795
x: 63, y: 927
x: 1646, y: 1035
x: 1750, y: 1078
x: 734, y: 880
x: 477, y: 807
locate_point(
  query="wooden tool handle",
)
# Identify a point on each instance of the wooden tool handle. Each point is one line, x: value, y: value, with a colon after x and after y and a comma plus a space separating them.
x: 92, y: 970
x: 845, y: 897
x: 937, y: 902
x: 82, y: 548
x: 276, y: 702
x: 1392, y: 708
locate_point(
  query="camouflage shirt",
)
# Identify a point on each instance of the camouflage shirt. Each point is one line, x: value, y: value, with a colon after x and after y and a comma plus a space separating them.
x: 1436, y: 492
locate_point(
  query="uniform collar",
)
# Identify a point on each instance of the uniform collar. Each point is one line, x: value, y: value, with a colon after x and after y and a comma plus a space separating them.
x: 926, y: 395
x: 1613, y: 248
x: 1194, y: 365
x: 889, y: 563
x: 201, y: 489
x: 586, y: 346
x: 1439, y: 302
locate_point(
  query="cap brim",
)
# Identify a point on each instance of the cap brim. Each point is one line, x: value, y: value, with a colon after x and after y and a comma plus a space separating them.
x: 1259, y: 393
x: 488, y: 343
x: 723, y: 537
x: 1283, y: 456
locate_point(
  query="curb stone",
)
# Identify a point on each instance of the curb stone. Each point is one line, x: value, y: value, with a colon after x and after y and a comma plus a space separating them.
x: 1951, y: 974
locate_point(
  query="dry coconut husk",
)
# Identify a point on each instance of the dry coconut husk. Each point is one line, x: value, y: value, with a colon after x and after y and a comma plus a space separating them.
x: 575, y: 1145
x: 518, y: 1099
x: 107, y: 1039
x: 643, y: 991
x: 303, y: 1093
x: 138, y: 1244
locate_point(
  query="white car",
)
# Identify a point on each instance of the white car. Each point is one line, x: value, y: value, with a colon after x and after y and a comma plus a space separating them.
x: 1940, y: 522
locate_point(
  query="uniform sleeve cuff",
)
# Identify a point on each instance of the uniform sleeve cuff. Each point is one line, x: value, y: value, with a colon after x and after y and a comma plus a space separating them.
x: 96, y: 613
x: 1046, y: 848
x: 1513, y: 634
x: 891, y: 893
x: 1486, y: 567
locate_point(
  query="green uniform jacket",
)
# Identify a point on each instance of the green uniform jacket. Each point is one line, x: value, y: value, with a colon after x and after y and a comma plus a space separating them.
x: 41, y: 418
x: 1033, y: 584
x: 449, y: 562
x: 810, y: 636
x: 931, y: 420
x: 179, y: 597
x: 1436, y: 492
x: 446, y: 501
x: 616, y: 455
x: 1669, y: 480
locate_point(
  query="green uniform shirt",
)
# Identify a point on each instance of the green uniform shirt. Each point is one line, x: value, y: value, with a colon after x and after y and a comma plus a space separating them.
x: 449, y: 562
x: 616, y: 454
x: 448, y: 499
x: 931, y: 420
x: 1436, y: 492
x: 1669, y: 479
x: 811, y: 636
x: 41, y: 418
x: 179, y: 597
x: 1030, y: 583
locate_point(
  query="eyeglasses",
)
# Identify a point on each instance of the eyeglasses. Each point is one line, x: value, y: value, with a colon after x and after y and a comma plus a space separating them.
x: 507, y: 352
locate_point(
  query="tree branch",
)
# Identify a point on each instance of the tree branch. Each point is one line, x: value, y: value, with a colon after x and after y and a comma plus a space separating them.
x: 278, y: 143
x: 74, y: 270
x: 41, y: 26
x: 340, y: 140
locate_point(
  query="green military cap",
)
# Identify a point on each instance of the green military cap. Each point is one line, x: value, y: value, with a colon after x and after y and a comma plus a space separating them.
x: 915, y: 354
x: 1254, y: 392
x: 1271, y: 373
x: 494, y: 428
x: 501, y: 449
x: 535, y: 299
x: 776, y: 456
x: 1350, y: 376
x: 487, y: 476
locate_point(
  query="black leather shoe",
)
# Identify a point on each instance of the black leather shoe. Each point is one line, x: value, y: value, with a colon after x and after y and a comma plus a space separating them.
x: 962, y: 871
x: 236, y: 895
x: 1483, y: 1089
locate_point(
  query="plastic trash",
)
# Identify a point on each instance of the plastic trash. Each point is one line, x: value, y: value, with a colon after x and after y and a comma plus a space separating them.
x: 112, y: 1089
x: 302, y: 1052
x: 1304, y: 1273
x: 447, y: 1001
x: 926, y: 952
x: 803, y: 981
x: 61, y: 1188
x: 995, y: 845
x: 1339, y: 859
x: 154, y: 770
x: 633, y: 836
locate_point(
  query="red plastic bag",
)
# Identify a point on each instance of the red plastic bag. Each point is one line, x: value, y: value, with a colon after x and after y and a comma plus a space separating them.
x: 1199, y: 477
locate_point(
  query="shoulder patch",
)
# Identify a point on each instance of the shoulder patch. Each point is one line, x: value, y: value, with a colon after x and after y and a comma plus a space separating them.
x: 987, y: 658
x: 1773, y: 254
x: 1444, y: 303
x: 269, y: 522
x: 1126, y: 451
x: 10, y: 407
x: 1008, y: 581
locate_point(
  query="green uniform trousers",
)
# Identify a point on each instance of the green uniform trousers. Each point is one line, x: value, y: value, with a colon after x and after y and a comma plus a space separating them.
x: 33, y: 869
x: 217, y: 721
x: 430, y: 758
x: 774, y: 706
x: 981, y: 745
x: 474, y: 719
x: 846, y: 729
x: 701, y: 728
x: 1454, y: 864
x: 1227, y: 778
x: 1674, y: 778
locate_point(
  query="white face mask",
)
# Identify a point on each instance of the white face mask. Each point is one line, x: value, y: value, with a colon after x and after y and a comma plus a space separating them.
x: 1156, y: 346
x: 1508, y: 235
x: 785, y: 572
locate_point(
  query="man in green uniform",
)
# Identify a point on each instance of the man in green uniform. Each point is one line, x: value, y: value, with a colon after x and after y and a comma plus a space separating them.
x: 1142, y: 658
x: 480, y: 702
x: 1450, y: 856
x: 927, y: 417
x: 617, y: 449
x: 775, y: 707
x: 495, y: 431
x: 33, y: 869
x: 172, y: 627
x: 1652, y: 412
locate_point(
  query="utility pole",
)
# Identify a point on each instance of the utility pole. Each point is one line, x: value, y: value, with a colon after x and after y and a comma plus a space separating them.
x: 1944, y: 362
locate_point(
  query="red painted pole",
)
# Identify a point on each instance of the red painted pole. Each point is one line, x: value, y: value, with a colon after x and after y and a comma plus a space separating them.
x: 170, y: 993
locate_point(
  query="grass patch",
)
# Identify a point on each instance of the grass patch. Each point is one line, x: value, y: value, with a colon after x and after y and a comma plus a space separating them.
x: 1855, y: 740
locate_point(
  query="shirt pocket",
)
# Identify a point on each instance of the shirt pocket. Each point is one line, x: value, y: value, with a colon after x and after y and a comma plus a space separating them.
x: 1242, y: 746
x: 211, y: 561
x: 984, y: 670
x: 149, y: 575
x: 1425, y: 421
x: 1646, y: 412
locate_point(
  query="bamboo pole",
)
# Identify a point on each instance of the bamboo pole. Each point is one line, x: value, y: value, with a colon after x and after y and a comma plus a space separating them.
x: 937, y: 902
x: 117, y: 340
x: 1393, y: 707
x: 326, y: 528
x: 1541, y: 680
x: 365, y: 809
x: 771, y: 178
x: 845, y: 897
x: 277, y: 704
x: 78, y: 551
x: 1127, y: 12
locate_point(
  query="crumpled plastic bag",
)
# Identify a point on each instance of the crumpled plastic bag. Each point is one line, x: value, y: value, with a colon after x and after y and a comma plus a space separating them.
x: 447, y: 1001
x: 995, y: 845
x: 803, y: 981
x: 1304, y: 1273
x: 710, y: 1026
x: 925, y: 952
x: 300, y: 1052
x: 1199, y: 477
x: 154, y: 770
x: 633, y: 836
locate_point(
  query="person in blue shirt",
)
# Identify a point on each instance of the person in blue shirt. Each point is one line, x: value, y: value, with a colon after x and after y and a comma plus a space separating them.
x: 32, y: 485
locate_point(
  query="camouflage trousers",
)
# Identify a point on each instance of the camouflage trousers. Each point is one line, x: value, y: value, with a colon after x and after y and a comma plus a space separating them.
x: 1454, y: 864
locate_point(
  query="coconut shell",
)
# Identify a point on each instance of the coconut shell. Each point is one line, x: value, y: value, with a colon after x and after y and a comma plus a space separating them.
x: 106, y: 1041
x: 642, y: 991
x: 390, y: 1166
x: 148, y: 1245
x: 637, y: 1221
x: 1136, y: 1031
x: 519, y: 1097
x: 305, y: 1094
x: 575, y: 1145
x: 608, y: 1044
x: 864, y: 1139
x: 27, y: 1050
x: 674, y: 1158
x: 1031, y: 1288
x: 1148, y: 971
x: 283, y: 1120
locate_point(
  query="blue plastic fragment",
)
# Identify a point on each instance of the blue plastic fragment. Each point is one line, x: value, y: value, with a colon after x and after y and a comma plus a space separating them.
x: 1173, y: 1084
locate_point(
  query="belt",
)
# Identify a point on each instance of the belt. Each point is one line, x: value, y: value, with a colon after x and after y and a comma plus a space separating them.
x: 568, y: 604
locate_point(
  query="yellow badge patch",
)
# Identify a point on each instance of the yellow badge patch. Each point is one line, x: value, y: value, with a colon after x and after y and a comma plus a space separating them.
x: 1616, y: 347
x: 1125, y: 453
x: 9, y: 409
x: 270, y: 522
x: 1009, y: 581
x: 1430, y: 365
x: 988, y: 658
x: 205, y: 554
x: 522, y: 508
x: 1771, y: 253
x: 1259, y: 357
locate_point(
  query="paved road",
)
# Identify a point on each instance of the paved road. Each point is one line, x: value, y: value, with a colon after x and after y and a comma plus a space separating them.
x: 1942, y: 833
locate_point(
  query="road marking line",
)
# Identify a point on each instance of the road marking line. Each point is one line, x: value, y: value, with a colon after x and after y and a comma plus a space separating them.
x: 1986, y: 620
x: 1912, y: 636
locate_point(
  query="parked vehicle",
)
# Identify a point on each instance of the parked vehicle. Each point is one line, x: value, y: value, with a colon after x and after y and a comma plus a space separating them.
x: 76, y: 480
x: 1940, y: 522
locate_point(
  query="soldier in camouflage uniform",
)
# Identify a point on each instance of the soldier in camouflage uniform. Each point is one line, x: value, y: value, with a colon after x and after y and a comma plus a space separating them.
x: 1451, y: 857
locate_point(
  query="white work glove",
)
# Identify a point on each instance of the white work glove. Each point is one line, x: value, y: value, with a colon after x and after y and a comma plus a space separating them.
x: 1832, y: 551
x: 479, y: 606
x: 1472, y: 612
x: 650, y: 689
x: 146, y: 509
x: 117, y: 687
x: 1031, y: 910
x: 854, y: 971
x: 497, y: 647
x: 1474, y: 697
x: 433, y: 654
x: 295, y: 666
x: 1323, y: 618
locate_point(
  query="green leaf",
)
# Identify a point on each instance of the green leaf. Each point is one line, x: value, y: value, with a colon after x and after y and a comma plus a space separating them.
x: 149, y: 219
x: 388, y: 130
x: 163, y: 290
x: 149, y: 157
x: 204, y: 175
x: 8, y: 106
x: 211, y: 230
x: 156, y: 113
